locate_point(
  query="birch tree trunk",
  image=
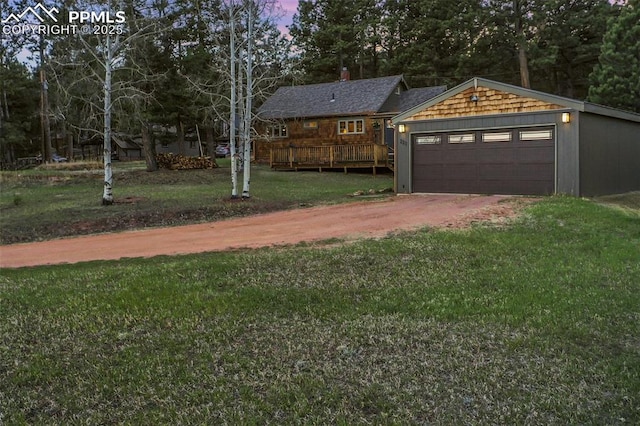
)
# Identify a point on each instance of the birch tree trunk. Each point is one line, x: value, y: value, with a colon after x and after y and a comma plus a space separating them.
x: 107, y: 195
x: 232, y: 118
x: 248, y: 100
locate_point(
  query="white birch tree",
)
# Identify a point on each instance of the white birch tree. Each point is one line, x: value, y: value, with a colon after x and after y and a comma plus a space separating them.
x: 246, y: 136
x: 232, y: 101
x: 243, y: 44
x: 79, y: 82
x: 256, y: 40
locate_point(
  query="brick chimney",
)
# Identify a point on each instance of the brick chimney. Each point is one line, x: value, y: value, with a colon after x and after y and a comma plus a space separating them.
x: 345, y: 75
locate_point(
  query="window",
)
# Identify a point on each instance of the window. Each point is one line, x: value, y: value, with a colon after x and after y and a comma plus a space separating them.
x: 310, y: 125
x: 496, y: 137
x: 536, y: 135
x: 278, y: 131
x: 462, y: 138
x: 346, y: 127
x: 429, y: 140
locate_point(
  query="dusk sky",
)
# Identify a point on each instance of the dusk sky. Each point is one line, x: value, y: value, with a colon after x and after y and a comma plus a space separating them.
x: 289, y: 8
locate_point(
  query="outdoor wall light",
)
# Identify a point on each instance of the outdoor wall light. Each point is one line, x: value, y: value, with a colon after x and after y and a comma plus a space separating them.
x: 402, y: 128
x: 566, y: 117
x: 474, y: 98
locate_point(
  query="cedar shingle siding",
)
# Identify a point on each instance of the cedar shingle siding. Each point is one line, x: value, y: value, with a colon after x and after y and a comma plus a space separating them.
x: 373, y: 100
x: 493, y: 102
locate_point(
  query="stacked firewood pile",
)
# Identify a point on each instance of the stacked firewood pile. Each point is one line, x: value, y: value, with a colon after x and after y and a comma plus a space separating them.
x: 180, y: 162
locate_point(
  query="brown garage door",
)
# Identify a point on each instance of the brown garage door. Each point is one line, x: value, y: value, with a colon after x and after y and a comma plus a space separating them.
x: 500, y: 161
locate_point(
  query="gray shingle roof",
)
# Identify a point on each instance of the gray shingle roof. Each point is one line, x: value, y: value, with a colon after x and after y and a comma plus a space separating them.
x: 411, y: 98
x: 354, y: 97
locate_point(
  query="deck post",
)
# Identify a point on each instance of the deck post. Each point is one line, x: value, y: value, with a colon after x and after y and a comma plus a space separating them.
x: 291, y: 157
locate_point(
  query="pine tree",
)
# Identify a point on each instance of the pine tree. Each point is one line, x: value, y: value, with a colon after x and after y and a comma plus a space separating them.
x: 616, y: 79
x: 337, y: 34
x: 18, y: 102
x: 567, y: 43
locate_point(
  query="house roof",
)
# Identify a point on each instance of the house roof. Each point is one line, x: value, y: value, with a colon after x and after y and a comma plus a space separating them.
x: 343, y: 98
x: 568, y: 103
x: 411, y: 98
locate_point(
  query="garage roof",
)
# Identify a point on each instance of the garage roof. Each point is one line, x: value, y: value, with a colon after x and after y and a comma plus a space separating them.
x: 577, y: 105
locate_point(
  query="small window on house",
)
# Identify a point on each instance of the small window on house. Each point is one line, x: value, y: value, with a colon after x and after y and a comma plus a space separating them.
x: 310, y: 125
x: 536, y: 135
x: 462, y: 138
x: 278, y: 131
x: 429, y: 140
x: 346, y: 127
x: 496, y: 137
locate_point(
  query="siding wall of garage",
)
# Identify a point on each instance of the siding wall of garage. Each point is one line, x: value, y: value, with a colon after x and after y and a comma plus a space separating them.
x: 609, y: 155
x: 511, y: 172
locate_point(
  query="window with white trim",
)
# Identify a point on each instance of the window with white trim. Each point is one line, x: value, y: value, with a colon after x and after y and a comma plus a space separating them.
x: 429, y: 140
x: 496, y: 137
x: 462, y: 138
x: 347, y: 127
x: 278, y: 131
x: 536, y: 135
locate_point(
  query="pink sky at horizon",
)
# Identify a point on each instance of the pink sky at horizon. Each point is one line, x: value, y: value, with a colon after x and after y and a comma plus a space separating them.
x: 289, y: 8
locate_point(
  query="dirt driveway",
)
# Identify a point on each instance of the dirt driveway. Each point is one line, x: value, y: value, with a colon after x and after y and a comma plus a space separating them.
x: 367, y: 219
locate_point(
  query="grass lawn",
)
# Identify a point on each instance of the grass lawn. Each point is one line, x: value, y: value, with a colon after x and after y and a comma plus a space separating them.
x: 41, y: 204
x: 537, y: 322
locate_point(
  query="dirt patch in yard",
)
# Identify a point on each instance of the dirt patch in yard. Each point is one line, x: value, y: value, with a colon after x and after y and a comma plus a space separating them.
x: 367, y: 219
x: 495, y: 214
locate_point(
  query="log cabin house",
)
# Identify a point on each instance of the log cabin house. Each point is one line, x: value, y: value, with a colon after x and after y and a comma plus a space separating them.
x: 343, y: 124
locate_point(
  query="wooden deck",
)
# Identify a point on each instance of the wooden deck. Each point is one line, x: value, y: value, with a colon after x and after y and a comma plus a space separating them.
x: 332, y: 157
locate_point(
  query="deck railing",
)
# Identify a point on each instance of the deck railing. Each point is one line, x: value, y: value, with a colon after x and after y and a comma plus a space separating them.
x: 331, y: 156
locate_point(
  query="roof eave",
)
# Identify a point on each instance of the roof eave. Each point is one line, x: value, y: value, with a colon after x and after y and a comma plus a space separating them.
x: 611, y: 112
x: 306, y: 117
x: 478, y: 81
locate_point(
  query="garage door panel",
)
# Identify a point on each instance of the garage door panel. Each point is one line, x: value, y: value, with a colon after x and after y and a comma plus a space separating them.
x: 428, y: 185
x: 530, y: 154
x: 428, y: 157
x: 533, y: 172
x: 496, y: 171
x: 460, y: 185
x: 492, y: 155
x: 433, y: 172
x: 466, y: 156
x: 496, y: 167
x: 460, y: 171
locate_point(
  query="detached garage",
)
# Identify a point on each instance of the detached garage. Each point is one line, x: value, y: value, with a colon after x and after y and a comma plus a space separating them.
x: 493, y: 138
